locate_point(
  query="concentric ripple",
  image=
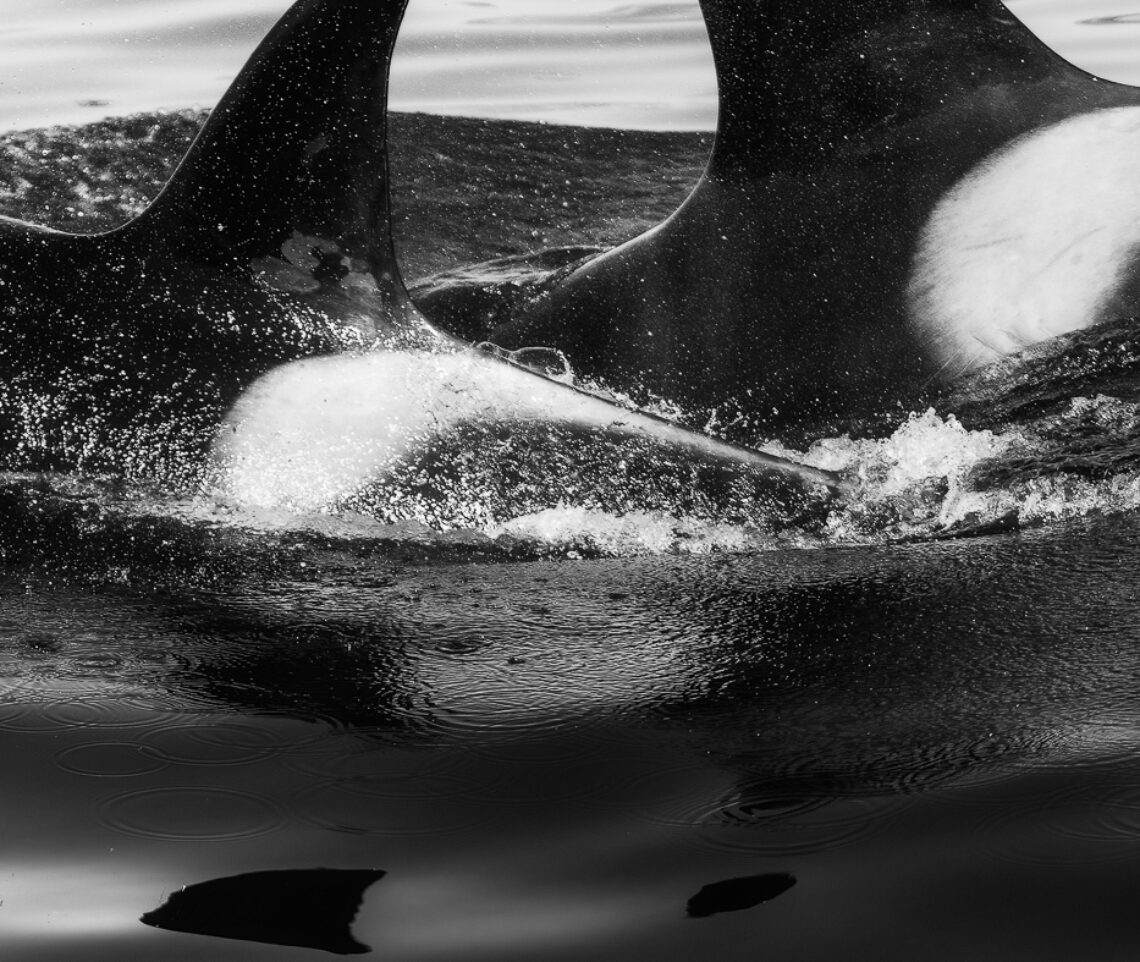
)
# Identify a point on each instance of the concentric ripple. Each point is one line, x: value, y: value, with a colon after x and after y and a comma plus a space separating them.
x: 755, y: 818
x: 108, y: 760
x: 36, y: 708
x: 941, y: 765
x: 349, y: 754
x: 26, y: 718
x: 216, y: 743
x: 758, y: 826
x: 191, y: 814
x: 1069, y: 828
x: 510, y: 711
x: 391, y: 805
x: 93, y: 711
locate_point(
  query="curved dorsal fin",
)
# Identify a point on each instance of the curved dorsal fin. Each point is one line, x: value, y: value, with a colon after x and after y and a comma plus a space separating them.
x: 295, y: 149
x: 797, y: 77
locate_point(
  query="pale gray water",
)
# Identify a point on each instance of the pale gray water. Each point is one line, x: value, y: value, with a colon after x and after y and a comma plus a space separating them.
x: 598, y: 62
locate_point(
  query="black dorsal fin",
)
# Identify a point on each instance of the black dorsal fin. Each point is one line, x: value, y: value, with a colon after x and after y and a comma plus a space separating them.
x: 800, y: 77
x: 295, y: 152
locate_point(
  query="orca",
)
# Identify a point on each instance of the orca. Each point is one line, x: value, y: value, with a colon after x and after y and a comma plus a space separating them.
x: 251, y: 328
x: 899, y: 192
x: 124, y: 350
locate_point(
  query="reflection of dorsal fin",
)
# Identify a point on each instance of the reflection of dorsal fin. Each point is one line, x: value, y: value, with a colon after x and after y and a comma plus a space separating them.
x: 295, y: 148
x: 308, y: 908
x: 796, y: 78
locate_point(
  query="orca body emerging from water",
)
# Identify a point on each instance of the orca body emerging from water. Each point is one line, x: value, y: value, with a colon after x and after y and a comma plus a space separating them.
x: 899, y: 191
x: 270, y: 243
x: 240, y: 323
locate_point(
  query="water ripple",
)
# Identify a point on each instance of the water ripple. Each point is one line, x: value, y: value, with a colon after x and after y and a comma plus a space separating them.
x: 1070, y: 827
x: 108, y: 760
x: 191, y: 814
x: 761, y: 826
x: 387, y: 805
x: 352, y: 753
x: 758, y: 816
x: 215, y: 743
x: 483, y: 712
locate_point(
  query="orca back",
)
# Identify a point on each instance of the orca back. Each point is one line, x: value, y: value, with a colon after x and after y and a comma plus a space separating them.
x: 294, y: 155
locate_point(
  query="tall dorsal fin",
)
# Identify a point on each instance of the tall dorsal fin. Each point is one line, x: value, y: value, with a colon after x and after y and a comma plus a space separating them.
x: 797, y: 77
x: 295, y: 149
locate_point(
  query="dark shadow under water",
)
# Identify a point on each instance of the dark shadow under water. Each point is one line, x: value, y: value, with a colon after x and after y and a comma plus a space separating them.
x: 550, y: 758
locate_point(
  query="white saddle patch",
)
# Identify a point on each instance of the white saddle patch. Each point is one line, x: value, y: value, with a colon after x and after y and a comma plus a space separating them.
x: 1033, y: 243
x: 315, y: 431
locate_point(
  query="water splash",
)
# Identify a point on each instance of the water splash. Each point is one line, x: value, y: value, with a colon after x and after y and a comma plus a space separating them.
x: 578, y: 531
x: 533, y: 489
x: 931, y: 478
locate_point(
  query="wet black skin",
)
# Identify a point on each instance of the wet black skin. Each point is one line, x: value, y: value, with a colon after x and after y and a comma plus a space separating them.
x: 270, y: 243
x: 779, y: 285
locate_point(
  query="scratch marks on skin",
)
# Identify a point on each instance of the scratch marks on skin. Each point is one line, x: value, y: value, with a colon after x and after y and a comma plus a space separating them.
x: 309, y: 265
x: 306, y: 263
x: 1033, y: 243
x: 995, y: 242
x: 1078, y: 241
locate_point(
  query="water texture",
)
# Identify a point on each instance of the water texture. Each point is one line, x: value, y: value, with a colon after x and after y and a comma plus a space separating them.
x: 604, y: 63
x: 901, y: 724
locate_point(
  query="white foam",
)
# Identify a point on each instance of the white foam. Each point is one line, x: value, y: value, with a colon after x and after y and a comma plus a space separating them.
x: 575, y: 528
x: 925, y: 446
x: 922, y: 480
x: 311, y: 433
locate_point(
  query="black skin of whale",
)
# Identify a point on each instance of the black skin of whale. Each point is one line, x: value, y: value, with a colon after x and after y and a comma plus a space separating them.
x: 778, y: 288
x: 128, y: 351
x: 271, y: 242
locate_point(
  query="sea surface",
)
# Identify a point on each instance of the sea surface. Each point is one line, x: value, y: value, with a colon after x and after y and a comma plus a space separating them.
x: 940, y: 744
x: 597, y: 62
x: 903, y: 724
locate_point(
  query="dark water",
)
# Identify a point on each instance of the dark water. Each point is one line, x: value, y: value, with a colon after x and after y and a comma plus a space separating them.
x: 549, y: 758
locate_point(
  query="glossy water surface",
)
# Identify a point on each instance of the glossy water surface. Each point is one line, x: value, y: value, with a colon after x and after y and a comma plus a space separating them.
x: 597, y: 62
x: 549, y: 758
